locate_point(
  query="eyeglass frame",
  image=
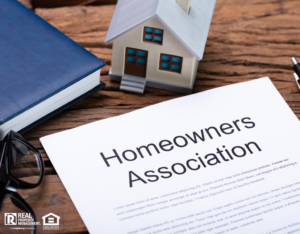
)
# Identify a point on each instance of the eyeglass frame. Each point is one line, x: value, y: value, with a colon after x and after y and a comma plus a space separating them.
x: 10, y: 186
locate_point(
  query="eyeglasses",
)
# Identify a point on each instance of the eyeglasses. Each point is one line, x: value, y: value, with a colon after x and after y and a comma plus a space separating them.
x: 21, y: 166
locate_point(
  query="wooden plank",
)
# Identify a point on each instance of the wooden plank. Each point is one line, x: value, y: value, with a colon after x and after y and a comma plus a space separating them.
x: 247, y: 40
x: 87, y: 25
x: 62, y: 3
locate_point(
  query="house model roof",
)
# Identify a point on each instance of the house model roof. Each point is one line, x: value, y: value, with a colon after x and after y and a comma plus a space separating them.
x: 191, y: 29
x: 51, y: 214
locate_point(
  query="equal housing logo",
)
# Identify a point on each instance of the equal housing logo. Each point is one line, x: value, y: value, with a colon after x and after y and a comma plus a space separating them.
x: 51, y: 222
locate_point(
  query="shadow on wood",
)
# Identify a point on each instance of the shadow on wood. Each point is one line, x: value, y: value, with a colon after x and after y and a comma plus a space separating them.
x: 62, y: 3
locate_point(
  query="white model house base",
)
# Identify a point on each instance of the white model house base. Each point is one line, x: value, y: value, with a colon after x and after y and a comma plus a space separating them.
x: 158, y: 43
x: 137, y: 84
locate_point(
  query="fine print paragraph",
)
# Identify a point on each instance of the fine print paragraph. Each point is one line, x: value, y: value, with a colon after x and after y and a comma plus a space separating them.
x: 243, y: 212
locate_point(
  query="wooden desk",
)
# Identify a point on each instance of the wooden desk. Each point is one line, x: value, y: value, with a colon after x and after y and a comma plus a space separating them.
x: 247, y: 40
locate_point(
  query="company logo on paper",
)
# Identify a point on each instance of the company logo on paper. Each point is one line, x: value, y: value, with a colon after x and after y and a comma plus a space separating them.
x: 51, y: 222
x: 10, y: 219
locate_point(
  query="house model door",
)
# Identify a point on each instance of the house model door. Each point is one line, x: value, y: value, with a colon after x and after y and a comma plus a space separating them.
x: 136, y: 62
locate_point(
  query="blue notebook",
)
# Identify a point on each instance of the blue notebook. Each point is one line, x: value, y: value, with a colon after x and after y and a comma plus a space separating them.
x: 42, y: 71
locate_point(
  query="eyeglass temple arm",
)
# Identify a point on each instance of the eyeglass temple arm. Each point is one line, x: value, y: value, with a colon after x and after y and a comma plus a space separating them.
x: 19, y: 202
x: 3, y: 175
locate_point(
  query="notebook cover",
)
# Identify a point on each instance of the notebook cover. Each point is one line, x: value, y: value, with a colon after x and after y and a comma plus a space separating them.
x: 36, y: 60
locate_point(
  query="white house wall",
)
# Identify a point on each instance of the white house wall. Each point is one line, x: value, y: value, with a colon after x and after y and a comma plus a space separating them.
x: 171, y: 45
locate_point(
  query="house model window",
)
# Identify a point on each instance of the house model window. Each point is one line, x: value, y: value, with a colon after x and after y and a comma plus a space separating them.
x: 153, y: 35
x: 136, y: 56
x: 170, y: 63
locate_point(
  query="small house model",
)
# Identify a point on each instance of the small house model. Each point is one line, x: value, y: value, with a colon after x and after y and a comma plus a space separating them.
x: 158, y: 43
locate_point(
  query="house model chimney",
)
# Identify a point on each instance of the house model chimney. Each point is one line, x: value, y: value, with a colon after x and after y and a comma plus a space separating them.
x: 185, y: 5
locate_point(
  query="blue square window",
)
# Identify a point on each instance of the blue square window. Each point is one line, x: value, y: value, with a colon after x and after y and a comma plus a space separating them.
x: 176, y: 60
x: 148, y: 30
x: 157, y: 38
x: 175, y: 68
x: 142, y: 54
x: 131, y: 52
x: 148, y: 37
x: 158, y: 32
x: 165, y: 58
x: 165, y: 66
x: 130, y: 59
x: 141, y: 61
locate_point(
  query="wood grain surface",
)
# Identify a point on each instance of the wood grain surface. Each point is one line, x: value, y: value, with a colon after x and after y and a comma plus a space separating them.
x: 247, y: 40
x: 61, y: 3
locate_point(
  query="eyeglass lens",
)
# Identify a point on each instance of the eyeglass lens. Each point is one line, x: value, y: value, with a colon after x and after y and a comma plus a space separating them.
x: 25, y: 163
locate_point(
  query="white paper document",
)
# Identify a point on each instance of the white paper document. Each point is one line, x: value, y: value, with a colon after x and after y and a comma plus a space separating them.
x: 221, y: 161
